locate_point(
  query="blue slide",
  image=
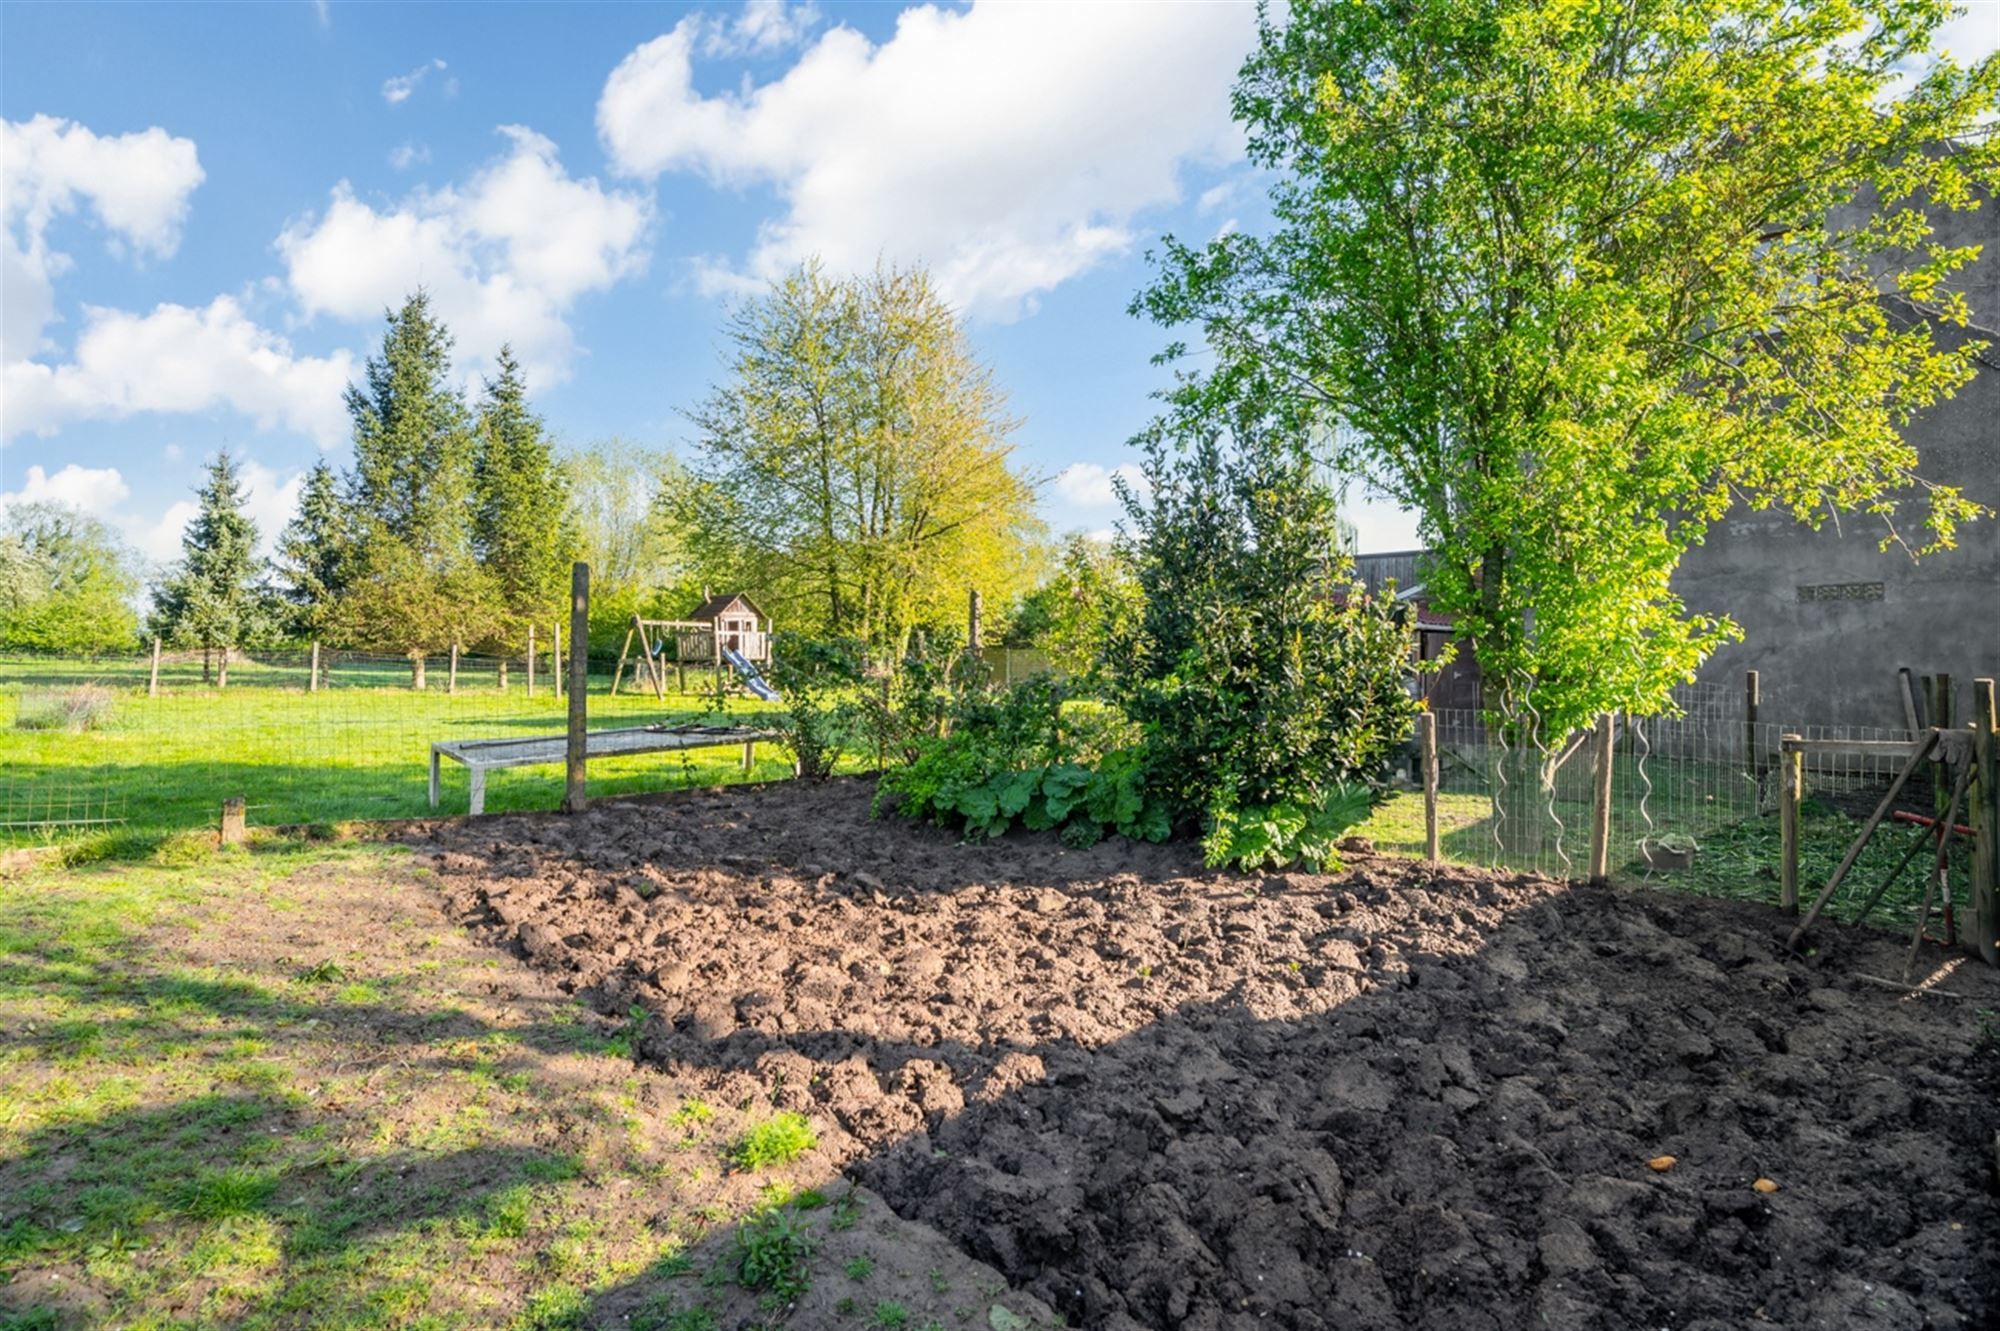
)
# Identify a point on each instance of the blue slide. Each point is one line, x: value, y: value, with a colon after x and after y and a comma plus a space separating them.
x: 752, y: 680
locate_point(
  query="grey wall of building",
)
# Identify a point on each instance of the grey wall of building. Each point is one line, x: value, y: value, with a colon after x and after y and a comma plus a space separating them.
x: 1827, y: 616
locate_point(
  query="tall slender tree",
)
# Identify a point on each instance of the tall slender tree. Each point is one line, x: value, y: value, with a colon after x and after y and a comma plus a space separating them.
x: 415, y: 586
x: 209, y: 599
x: 523, y: 527
x: 313, y: 554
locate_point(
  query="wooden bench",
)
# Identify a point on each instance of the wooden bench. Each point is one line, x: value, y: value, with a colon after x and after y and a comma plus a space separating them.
x: 481, y: 756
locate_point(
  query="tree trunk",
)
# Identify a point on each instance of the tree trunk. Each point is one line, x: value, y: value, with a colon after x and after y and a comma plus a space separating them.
x: 222, y: 670
x: 417, y: 671
x: 204, y: 663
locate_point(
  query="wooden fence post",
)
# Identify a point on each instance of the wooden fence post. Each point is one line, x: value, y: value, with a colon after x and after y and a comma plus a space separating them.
x: 556, y: 662
x: 1792, y: 766
x: 1752, y: 695
x: 576, y: 753
x: 1600, y: 807
x: 153, y: 684
x: 1983, y: 908
x: 233, y: 821
x: 1428, y: 726
x: 312, y: 676
x: 451, y: 680
x: 531, y: 660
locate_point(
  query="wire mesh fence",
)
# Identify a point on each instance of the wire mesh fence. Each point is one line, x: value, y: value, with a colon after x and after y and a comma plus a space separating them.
x: 120, y: 741
x: 1694, y: 803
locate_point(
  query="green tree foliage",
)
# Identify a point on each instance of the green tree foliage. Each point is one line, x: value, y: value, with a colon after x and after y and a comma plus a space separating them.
x: 638, y: 563
x: 414, y: 585
x: 1090, y: 600
x: 1578, y: 277
x: 1259, y: 672
x: 522, y: 527
x: 313, y: 555
x: 854, y: 468
x: 66, y: 583
x: 210, y: 598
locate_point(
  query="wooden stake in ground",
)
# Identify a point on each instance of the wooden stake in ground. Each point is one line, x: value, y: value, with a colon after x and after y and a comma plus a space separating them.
x: 1923, y: 748
x: 1983, y: 908
x: 575, y: 760
x: 233, y: 821
x: 451, y: 680
x: 531, y: 660
x: 153, y: 684
x: 556, y: 662
x: 1600, y: 806
x: 1792, y: 773
x: 312, y: 675
x: 1427, y: 724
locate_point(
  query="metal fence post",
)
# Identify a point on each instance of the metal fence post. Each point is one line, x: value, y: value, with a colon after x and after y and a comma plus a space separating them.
x: 576, y: 753
x: 1600, y: 810
x: 1752, y: 695
x: 1984, y: 904
x: 1427, y: 723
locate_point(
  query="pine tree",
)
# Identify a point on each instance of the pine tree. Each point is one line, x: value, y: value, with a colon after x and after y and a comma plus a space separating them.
x: 313, y: 553
x: 413, y: 585
x: 209, y: 598
x: 523, y: 528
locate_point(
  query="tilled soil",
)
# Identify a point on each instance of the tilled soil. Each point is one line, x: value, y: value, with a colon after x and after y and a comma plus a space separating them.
x: 1390, y: 1097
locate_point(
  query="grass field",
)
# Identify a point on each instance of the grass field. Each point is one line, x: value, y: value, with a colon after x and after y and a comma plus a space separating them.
x: 276, y: 1086
x: 356, y: 750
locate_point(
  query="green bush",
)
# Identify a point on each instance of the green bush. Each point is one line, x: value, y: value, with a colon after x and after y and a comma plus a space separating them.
x: 817, y: 679
x: 1266, y: 683
x: 1286, y: 832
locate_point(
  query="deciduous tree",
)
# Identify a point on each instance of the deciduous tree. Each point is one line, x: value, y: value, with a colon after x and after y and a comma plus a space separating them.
x: 854, y: 467
x: 70, y: 582
x: 1578, y: 277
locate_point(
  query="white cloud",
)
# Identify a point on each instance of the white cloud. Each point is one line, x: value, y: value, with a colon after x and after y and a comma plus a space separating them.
x: 1010, y: 147
x: 136, y: 186
x: 93, y: 490
x: 1089, y: 484
x: 269, y: 499
x: 406, y: 155
x: 179, y: 359
x: 762, y: 27
x: 323, y: 10
x: 398, y: 90
x: 505, y: 256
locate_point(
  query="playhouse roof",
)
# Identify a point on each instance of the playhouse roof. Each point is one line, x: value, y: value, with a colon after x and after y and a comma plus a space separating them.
x: 712, y: 608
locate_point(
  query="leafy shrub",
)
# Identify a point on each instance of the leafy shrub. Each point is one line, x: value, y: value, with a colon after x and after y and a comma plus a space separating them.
x: 1261, y: 676
x: 1285, y: 833
x: 1022, y: 756
x: 778, y: 1140
x: 817, y: 679
x: 774, y: 1253
x: 84, y: 707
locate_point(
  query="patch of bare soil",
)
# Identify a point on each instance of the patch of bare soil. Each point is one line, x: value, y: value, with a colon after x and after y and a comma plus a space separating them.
x: 1161, y: 1097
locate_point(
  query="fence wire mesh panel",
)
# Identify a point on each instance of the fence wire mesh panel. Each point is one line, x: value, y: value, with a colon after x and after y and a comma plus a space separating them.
x: 1694, y: 797
x: 109, y: 741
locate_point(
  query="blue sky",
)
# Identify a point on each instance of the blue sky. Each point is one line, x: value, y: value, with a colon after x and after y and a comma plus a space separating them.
x: 207, y: 208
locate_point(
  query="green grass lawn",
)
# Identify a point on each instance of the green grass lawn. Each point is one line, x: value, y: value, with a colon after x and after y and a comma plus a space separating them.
x: 275, y: 1086
x: 356, y: 750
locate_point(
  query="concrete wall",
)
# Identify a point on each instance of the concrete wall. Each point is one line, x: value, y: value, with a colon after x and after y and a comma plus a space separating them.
x: 1827, y: 617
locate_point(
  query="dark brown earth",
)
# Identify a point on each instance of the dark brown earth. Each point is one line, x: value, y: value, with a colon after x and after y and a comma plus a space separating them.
x: 1391, y: 1097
